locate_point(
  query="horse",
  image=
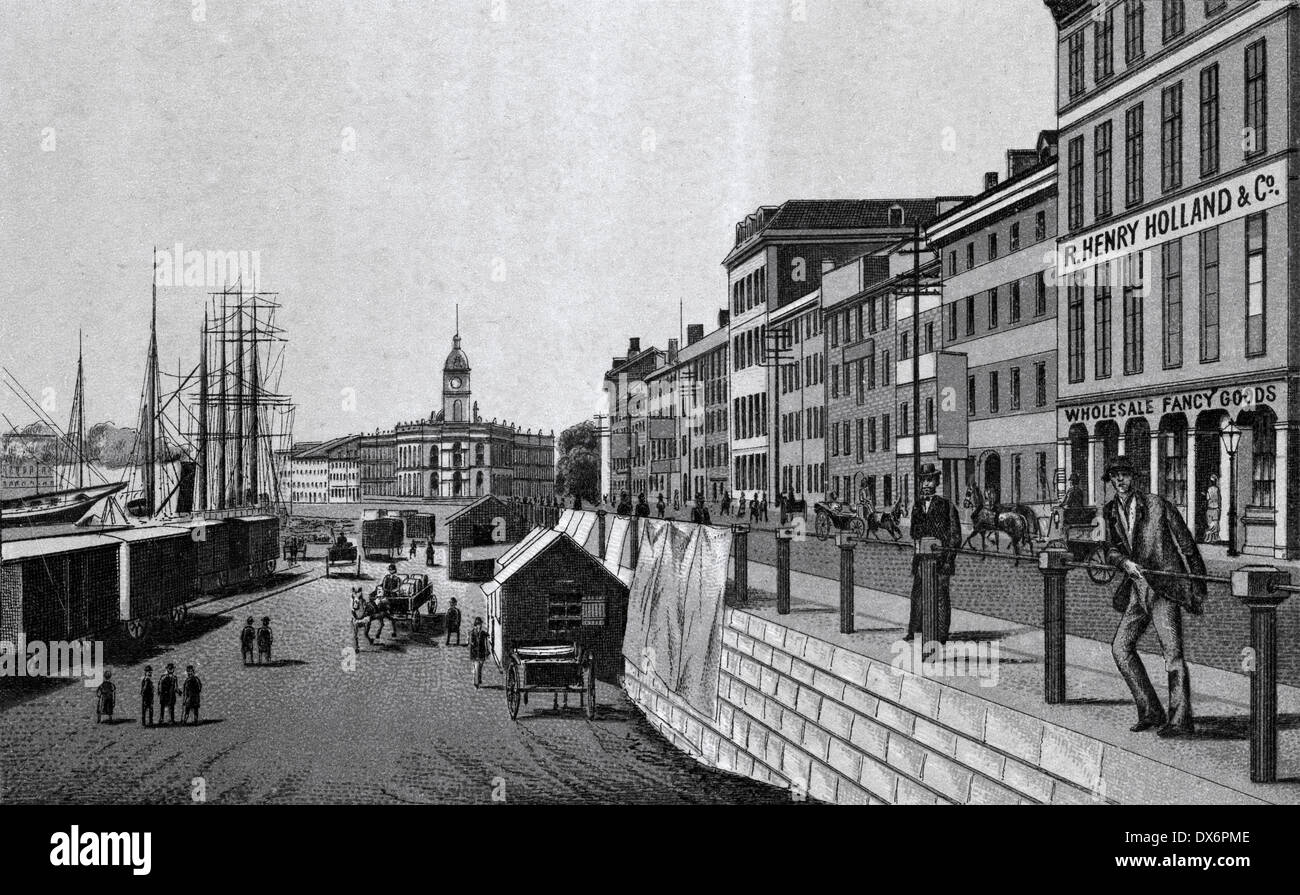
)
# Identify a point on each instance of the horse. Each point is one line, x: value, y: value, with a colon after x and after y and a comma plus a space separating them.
x: 1014, y: 522
x: 888, y: 521
x: 368, y: 609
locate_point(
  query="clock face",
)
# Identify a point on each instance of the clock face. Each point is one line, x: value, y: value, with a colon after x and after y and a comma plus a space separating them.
x: 455, y: 382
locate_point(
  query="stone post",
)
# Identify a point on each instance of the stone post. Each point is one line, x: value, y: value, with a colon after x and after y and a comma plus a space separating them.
x: 740, y: 553
x: 783, y: 538
x: 1253, y: 585
x: 846, y: 542
x: 1052, y: 563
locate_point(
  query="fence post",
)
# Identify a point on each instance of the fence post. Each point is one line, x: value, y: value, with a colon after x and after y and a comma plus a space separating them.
x: 1253, y: 585
x: 600, y: 531
x: 846, y: 542
x: 783, y: 538
x: 1052, y: 562
x: 740, y: 550
x: 634, y: 532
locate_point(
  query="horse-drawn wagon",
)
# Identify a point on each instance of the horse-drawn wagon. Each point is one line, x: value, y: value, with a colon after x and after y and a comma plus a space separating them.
x: 835, y: 516
x: 1080, y: 531
x: 342, y: 552
x: 550, y: 667
x: 413, y: 594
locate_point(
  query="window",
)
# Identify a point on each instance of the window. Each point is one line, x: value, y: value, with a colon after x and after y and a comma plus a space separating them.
x: 871, y: 371
x: 886, y: 366
x: 1013, y: 241
x: 951, y: 331
x: 860, y: 440
x: 1256, y: 234
x: 835, y: 331
x: 1171, y: 263
x: 993, y: 391
x: 871, y: 435
x: 564, y: 609
x: 929, y: 416
x: 1256, y: 89
x: 1174, y: 20
x: 885, y: 439
x: 1040, y: 384
x: 1263, y: 457
x: 1133, y: 156
x: 1134, y: 267
x: 1041, y: 476
x: 1013, y: 313
x: 1101, y: 315
x: 1075, y: 45
x: 970, y: 396
x: 970, y: 257
x: 1134, y: 21
x: 904, y: 421
x: 904, y: 345
x: 1075, y: 183
x: 1209, y: 294
x: 1015, y: 478
x: 1101, y: 168
x: 1173, y: 462
x: 1015, y: 388
x: 1210, y: 120
x: 993, y: 246
x: 1171, y: 137
x: 993, y: 308
x: 952, y: 263
x: 929, y: 337
x: 1103, y: 46
x: 1040, y: 295
x: 970, y: 315
x: 1040, y: 226
x: 1074, y: 328
x: 896, y: 216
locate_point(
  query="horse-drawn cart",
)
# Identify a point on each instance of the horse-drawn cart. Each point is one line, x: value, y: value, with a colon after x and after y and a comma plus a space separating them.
x: 413, y: 594
x: 1081, y: 534
x: 342, y: 552
x: 550, y: 668
x: 835, y: 516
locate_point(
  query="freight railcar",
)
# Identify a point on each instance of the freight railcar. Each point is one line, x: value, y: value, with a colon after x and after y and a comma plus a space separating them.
x: 211, y: 539
x: 255, y: 546
x: 157, y: 577
x: 382, y: 535
x: 58, y: 588
x: 421, y: 526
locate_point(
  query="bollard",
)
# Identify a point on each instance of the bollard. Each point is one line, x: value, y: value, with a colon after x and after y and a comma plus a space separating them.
x: 1253, y: 585
x: 928, y: 570
x: 1052, y: 563
x: 846, y: 542
x: 634, y: 534
x: 600, y: 531
x: 740, y: 550
x: 783, y: 538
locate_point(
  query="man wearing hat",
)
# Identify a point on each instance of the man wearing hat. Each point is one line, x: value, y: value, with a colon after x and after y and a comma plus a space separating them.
x: 167, y: 688
x: 392, y: 582
x: 934, y: 516
x: 1146, y: 534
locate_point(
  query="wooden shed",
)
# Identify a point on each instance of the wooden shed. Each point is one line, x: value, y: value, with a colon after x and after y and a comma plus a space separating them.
x: 478, y: 534
x: 58, y: 588
x: 554, y: 591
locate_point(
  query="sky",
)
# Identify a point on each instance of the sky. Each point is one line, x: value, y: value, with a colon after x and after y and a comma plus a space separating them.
x: 567, y: 173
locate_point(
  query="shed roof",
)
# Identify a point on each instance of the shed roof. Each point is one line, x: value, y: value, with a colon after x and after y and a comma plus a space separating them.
x: 13, y: 551
x: 540, y: 541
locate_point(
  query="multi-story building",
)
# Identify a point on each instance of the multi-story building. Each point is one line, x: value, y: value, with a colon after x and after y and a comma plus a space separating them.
x: 801, y: 396
x: 706, y: 467
x: 25, y: 475
x: 665, y: 409
x: 779, y: 256
x: 377, y: 458
x: 624, y: 450
x: 999, y: 311
x: 1175, y: 241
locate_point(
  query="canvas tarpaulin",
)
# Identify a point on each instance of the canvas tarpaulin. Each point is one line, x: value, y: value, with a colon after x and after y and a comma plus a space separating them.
x: 674, y: 616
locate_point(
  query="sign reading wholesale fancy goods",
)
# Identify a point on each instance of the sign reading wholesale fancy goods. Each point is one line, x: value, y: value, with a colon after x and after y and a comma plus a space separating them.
x: 1244, y: 194
x: 1230, y: 398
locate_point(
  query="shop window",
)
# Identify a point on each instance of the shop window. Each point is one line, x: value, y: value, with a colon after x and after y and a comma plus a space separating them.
x: 1263, y: 459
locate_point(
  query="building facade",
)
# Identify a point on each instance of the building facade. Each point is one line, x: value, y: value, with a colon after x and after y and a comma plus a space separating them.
x: 801, y: 397
x: 625, y: 452
x: 1176, y: 236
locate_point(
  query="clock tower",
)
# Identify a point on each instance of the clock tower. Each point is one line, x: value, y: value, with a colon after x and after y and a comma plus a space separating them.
x: 456, y: 406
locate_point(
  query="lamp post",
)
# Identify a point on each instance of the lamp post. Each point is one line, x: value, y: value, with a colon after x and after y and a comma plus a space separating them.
x: 1230, y: 436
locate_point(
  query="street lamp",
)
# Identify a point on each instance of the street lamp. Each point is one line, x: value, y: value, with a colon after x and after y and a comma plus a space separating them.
x: 1230, y: 436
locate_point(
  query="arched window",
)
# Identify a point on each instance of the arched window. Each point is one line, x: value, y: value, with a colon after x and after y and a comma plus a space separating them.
x: 457, y: 411
x: 1263, y: 457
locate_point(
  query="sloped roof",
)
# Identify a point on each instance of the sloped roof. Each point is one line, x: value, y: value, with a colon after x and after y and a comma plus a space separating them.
x: 542, y: 541
x: 847, y: 214
x: 465, y: 509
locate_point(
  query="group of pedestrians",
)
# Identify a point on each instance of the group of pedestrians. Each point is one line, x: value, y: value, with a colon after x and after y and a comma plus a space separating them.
x: 166, y: 688
x: 261, y: 637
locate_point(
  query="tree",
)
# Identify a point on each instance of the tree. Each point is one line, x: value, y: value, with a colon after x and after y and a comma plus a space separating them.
x: 577, y: 472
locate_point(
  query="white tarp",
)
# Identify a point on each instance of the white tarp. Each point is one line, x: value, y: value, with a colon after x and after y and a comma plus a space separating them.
x: 674, y: 616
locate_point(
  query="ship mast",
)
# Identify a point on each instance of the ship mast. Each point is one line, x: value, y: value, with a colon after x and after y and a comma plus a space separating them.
x: 222, y: 472
x: 239, y: 397
x: 253, y: 427
x: 79, y: 417
x: 151, y: 401
x: 201, y: 490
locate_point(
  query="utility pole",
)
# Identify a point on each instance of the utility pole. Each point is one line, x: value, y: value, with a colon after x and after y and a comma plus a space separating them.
x: 916, y: 362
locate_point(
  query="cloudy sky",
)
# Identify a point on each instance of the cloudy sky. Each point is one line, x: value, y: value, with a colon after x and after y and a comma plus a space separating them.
x: 567, y: 172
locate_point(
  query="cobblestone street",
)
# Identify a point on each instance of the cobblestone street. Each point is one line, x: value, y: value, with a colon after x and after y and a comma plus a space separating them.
x: 403, y: 724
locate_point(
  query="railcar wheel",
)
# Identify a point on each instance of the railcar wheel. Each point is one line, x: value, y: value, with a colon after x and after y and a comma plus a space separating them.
x: 589, y: 680
x: 512, y: 691
x: 1097, y: 556
x: 823, y: 526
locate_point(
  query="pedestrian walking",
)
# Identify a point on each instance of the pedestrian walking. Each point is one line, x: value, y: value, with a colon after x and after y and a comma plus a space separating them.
x: 1213, y: 502
x: 453, y: 622
x: 412, y: 556
x: 190, y: 691
x: 428, y: 553
x: 577, y: 502
x: 478, y: 649
x: 934, y: 516
x: 624, y: 507
x: 660, y: 505
x: 247, y: 637
x: 105, y: 698
x: 763, y: 510
x: 1145, y: 533
x: 642, y: 507
x: 167, y: 688
x: 146, y: 697
x: 264, y: 640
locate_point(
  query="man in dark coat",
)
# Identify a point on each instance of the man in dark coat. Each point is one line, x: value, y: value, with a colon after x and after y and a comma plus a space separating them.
x: 642, y: 508
x: 624, y: 507
x: 478, y: 649
x: 1146, y: 534
x: 453, y: 622
x: 934, y: 516
x: 146, y: 697
x: 190, y: 690
x: 264, y: 640
x: 167, y: 687
x: 247, y: 637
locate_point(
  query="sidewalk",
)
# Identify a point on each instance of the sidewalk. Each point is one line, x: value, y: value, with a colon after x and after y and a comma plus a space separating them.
x: 1098, y: 704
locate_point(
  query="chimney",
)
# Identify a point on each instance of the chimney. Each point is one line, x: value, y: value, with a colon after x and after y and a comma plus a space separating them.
x: 633, y: 346
x: 694, y: 332
x: 1020, y: 160
x: 990, y: 180
x: 724, y: 317
x: 672, y: 351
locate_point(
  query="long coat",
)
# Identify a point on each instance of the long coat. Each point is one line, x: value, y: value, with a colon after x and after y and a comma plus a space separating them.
x: 1161, y: 543
x: 942, y: 522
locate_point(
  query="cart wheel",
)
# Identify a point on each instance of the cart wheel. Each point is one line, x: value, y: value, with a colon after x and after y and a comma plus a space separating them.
x: 823, y: 526
x: 512, y: 691
x: 1097, y: 556
x: 589, y: 679
x: 135, y: 628
x: 857, y: 528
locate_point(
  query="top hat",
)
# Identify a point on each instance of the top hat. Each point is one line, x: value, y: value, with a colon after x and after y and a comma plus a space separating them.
x: 928, y: 472
x: 392, y: 568
x: 1119, y: 464
x: 171, y: 666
